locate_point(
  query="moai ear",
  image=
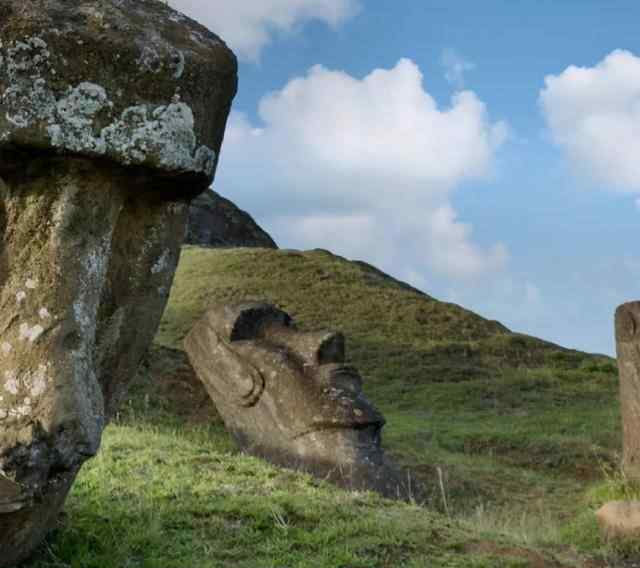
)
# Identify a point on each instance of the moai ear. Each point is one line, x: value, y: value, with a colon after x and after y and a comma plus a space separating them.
x: 220, y: 368
x: 247, y: 383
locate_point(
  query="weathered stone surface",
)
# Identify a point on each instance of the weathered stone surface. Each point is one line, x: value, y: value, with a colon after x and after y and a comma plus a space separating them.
x: 216, y: 222
x: 627, y: 323
x: 131, y: 80
x: 619, y: 520
x: 106, y: 114
x: 287, y: 396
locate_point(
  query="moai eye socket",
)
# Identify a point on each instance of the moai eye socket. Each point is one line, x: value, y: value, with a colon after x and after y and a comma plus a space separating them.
x: 248, y: 321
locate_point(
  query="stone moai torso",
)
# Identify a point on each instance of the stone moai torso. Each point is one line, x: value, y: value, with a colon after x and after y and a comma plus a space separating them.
x: 627, y: 325
x: 287, y: 396
x: 108, y: 110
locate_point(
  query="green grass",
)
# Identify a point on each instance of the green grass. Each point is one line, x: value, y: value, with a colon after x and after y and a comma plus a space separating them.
x: 162, y: 497
x: 509, y: 434
x: 459, y: 391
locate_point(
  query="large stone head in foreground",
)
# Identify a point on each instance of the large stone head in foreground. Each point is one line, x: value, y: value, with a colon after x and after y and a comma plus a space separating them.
x: 627, y: 325
x: 287, y: 396
x: 108, y: 110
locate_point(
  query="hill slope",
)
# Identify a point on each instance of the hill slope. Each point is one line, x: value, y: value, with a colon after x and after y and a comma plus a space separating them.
x: 460, y: 392
x: 507, y: 432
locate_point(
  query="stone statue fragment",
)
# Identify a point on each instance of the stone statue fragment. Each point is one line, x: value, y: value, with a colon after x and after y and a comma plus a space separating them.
x: 288, y: 396
x: 627, y: 325
x: 108, y: 110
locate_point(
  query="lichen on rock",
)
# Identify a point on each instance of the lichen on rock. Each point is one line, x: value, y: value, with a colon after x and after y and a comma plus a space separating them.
x: 130, y: 80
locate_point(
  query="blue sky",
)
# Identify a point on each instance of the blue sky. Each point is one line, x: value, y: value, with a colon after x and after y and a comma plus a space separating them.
x: 484, y: 151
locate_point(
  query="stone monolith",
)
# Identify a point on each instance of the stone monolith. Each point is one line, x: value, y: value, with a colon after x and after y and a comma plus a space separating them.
x: 627, y: 326
x: 288, y: 396
x: 108, y: 110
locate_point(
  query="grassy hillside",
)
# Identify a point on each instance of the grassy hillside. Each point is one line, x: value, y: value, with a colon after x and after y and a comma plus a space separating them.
x: 458, y: 390
x: 511, y: 436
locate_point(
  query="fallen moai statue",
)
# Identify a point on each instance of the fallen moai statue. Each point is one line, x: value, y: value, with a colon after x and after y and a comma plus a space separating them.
x: 287, y: 396
x: 108, y: 110
x: 627, y: 325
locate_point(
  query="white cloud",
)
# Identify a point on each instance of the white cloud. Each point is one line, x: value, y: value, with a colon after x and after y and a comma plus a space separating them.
x: 249, y: 25
x: 594, y: 113
x: 365, y: 167
x: 455, y: 67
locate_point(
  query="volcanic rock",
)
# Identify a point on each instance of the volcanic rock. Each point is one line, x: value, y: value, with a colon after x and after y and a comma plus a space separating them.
x: 108, y: 109
x: 217, y: 222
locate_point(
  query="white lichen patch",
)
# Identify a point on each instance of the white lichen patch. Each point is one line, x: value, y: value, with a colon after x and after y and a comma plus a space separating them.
x: 162, y: 263
x: 73, y: 126
x: 165, y: 134
x: 31, y: 284
x: 27, y: 98
x: 202, y: 39
x: 36, y: 383
x: 30, y: 333
x: 44, y: 314
x: 178, y: 63
x: 20, y: 410
x: 11, y: 382
x: 150, y: 60
x: 94, y: 267
x: 6, y: 348
x: 26, y: 391
x: 21, y: 296
x: 83, y: 119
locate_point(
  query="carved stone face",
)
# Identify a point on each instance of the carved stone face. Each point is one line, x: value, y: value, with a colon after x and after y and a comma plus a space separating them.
x: 283, y: 393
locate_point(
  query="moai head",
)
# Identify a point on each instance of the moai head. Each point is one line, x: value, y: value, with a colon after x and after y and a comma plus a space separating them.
x: 112, y: 113
x: 287, y: 395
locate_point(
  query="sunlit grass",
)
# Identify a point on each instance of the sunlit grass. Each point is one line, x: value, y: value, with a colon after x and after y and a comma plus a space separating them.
x: 510, y: 435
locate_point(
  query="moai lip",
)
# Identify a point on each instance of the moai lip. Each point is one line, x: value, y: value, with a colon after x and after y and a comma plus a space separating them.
x: 109, y: 111
x: 627, y: 326
x: 288, y: 396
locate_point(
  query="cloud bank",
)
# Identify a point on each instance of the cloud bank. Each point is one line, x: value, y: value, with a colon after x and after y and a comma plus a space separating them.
x: 247, y: 26
x: 366, y: 168
x: 594, y: 114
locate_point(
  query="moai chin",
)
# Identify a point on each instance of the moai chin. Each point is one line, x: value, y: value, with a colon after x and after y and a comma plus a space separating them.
x: 627, y: 325
x: 288, y: 396
x: 112, y: 114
